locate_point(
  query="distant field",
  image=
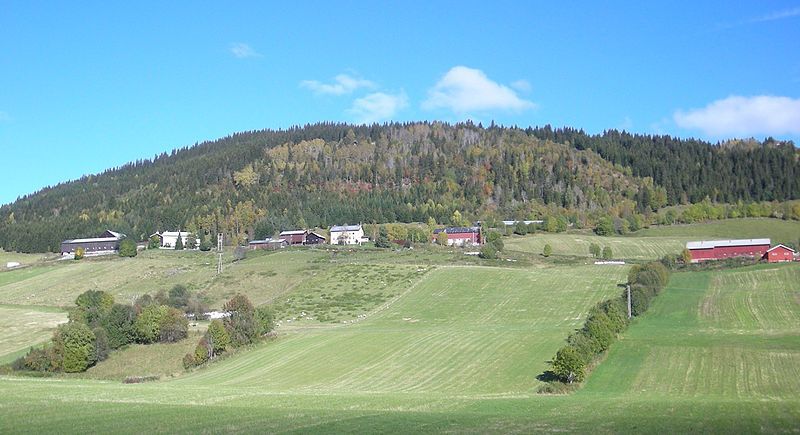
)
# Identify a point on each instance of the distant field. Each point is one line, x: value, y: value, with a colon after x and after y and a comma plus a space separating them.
x: 261, y: 277
x: 344, y: 292
x: 654, y: 243
x: 23, y: 259
x: 577, y: 244
x: 22, y: 327
x: 776, y: 229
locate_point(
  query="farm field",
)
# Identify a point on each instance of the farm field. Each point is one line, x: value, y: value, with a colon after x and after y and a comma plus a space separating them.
x: 458, y: 349
x: 458, y: 331
x: 728, y: 335
x: 654, y: 243
x: 750, y: 228
x: 577, y: 245
x: 261, y: 276
x: 23, y: 327
x: 23, y: 259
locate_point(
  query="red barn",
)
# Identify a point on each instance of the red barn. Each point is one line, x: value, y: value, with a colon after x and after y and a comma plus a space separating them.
x: 721, y: 249
x: 296, y: 237
x: 779, y: 254
x: 461, y: 236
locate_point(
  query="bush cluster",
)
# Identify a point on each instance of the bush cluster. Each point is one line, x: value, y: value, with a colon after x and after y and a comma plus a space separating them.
x: 244, y: 325
x: 606, y: 321
x: 97, y: 326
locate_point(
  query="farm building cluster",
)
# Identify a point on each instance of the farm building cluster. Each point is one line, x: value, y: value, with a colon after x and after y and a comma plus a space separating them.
x: 707, y: 250
x: 109, y: 241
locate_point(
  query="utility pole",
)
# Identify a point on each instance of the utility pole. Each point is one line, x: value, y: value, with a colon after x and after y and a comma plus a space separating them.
x: 629, y: 300
x: 219, y: 254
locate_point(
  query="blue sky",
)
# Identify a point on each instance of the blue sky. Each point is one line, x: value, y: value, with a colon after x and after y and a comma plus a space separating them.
x: 85, y: 86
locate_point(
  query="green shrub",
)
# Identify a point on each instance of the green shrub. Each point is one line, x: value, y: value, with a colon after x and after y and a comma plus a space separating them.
x: 147, y: 326
x: 74, y: 343
x: 241, y: 324
x: 119, y: 325
x: 101, y: 345
x: 488, y: 252
x: 217, y: 338
x: 173, y: 326
x: 266, y: 320
x: 568, y: 365
x: 127, y: 248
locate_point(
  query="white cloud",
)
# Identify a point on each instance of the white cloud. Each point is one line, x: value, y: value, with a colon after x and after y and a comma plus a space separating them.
x: 521, y: 85
x: 4, y: 116
x: 342, y: 84
x: 378, y: 106
x: 464, y: 89
x: 747, y: 116
x: 779, y: 15
x: 242, y: 50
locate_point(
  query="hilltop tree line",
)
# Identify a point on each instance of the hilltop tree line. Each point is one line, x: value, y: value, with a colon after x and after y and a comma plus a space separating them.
x: 325, y: 174
x: 690, y: 170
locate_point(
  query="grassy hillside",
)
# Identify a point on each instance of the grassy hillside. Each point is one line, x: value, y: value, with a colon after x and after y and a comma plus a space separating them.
x: 458, y: 331
x: 458, y: 349
x: 727, y: 335
x: 262, y: 276
x: 780, y: 231
x: 654, y: 243
x: 25, y: 326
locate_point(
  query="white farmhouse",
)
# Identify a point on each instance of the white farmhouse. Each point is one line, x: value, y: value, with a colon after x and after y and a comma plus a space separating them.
x: 347, y: 235
x: 170, y: 238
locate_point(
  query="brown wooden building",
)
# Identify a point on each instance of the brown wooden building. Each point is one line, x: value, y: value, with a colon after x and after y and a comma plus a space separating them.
x: 302, y: 237
x: 106, y: 243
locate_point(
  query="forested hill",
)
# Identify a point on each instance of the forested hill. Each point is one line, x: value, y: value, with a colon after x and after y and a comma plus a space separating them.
x: 252, y: 183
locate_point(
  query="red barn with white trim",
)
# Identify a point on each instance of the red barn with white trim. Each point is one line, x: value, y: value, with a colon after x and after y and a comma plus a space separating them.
x: 722, y: 249
x: 780, y: 254
x: 461, y: 236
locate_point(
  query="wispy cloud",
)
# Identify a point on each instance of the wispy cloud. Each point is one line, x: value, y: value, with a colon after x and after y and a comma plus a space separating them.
x: 746, y: 116
x: 771, y: 16
x: 342, y: 84
x: 465, y: 90
x: 378, y: 106
x: 4, y: 116
x: 778, y: 15
x: 521, y: 85
x: 243, y: 51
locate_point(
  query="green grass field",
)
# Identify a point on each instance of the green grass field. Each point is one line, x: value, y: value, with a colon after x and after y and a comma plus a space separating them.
x: 727, y: 335
x: 779, y: 231
x: 22, y: 327
x: 654, y: 243
x: 456, y: 348
x: 261, y: 276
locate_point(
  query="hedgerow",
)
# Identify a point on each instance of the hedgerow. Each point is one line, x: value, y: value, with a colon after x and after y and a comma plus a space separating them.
x: 605, y: 322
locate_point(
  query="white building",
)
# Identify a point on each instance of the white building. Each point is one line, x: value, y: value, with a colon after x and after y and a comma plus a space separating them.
x: 347, y: 235
x: 170, y: 238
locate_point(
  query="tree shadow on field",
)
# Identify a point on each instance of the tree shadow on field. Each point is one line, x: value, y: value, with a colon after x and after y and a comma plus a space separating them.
x: 547, y: 376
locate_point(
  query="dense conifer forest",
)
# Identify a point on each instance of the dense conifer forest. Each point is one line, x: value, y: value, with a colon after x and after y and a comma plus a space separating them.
x: 251, y: 184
